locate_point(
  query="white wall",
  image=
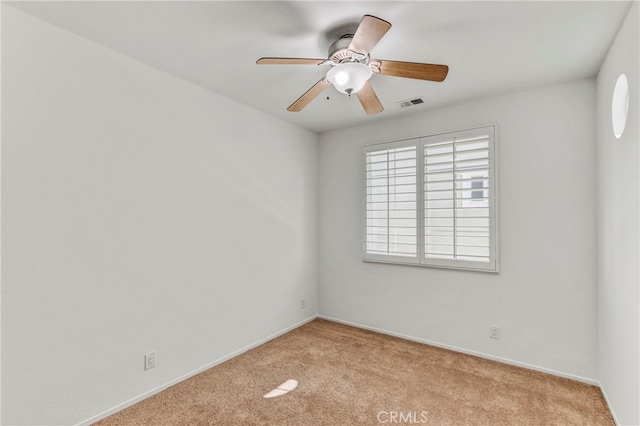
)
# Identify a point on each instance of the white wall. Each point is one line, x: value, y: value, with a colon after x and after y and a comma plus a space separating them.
x: 544, y: 298
x: 139, y: 213
x: 619, y: 230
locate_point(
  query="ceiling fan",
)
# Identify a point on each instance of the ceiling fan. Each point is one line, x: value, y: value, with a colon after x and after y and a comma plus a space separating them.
x: 352, y: 67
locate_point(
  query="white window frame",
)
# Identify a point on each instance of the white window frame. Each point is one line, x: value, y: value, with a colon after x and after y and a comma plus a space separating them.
x: 492, y: 202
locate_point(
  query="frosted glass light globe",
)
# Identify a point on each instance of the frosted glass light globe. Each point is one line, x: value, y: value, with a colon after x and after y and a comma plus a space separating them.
x: 349, y: 77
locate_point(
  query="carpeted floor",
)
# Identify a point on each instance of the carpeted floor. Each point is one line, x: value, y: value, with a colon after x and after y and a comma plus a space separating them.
x: 350, y: 376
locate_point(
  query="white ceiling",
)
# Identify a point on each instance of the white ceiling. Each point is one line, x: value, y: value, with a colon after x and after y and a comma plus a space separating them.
x: 490, y: 47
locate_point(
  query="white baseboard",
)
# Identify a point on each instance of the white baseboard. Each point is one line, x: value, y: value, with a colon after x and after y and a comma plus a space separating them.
x: 467, y: 351
x: 606, y: 399
x: 160, y: 388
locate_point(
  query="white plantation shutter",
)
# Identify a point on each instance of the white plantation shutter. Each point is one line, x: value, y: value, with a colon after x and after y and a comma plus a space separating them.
x: 391, y: 203
x: 459, y: 208
x: 432, y: 201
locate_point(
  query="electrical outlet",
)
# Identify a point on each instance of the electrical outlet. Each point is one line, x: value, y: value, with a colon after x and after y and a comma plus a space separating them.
x: 303, y: 303
x: 149, y: 360
x: 494, y: 332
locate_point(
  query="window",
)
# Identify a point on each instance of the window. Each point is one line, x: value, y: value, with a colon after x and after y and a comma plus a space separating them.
x: 432, y: 201
x: 478, y: 192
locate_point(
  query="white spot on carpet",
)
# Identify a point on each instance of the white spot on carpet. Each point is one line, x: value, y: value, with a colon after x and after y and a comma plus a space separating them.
x: 283, y: 389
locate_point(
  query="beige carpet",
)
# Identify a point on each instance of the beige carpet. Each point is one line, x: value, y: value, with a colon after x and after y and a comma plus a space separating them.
x: 350, y: 376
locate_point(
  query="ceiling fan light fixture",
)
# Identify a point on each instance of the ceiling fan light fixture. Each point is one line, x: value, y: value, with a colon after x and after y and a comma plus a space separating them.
x: 349, y: 77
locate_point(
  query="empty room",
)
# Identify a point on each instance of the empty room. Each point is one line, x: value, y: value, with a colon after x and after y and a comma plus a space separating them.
x: 320, y: 213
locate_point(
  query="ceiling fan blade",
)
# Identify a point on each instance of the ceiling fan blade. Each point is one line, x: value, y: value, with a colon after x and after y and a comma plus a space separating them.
x: 309, y: 95
x: 369, y: 100
x: 417, y: 70
x: 289, y: 61
x: 369, y: 32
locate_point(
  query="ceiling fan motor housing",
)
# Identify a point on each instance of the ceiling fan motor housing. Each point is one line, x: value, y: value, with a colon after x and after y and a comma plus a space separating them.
x: 339, y: 51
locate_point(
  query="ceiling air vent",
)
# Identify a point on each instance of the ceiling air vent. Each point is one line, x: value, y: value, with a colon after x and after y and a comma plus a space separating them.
x: 410, y: 102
